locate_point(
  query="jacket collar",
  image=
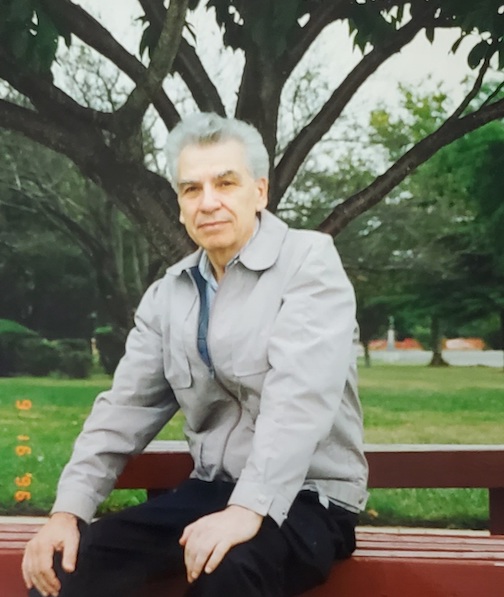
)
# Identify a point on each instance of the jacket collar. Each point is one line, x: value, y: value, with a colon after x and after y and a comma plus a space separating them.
x: 260, y: 254
x: 263, y: 250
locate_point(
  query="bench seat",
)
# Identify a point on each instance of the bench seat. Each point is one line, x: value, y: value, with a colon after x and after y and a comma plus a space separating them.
x: 396, y: 563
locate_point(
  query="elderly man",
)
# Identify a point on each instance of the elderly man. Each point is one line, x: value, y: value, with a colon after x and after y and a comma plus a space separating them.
x: 251, y: 337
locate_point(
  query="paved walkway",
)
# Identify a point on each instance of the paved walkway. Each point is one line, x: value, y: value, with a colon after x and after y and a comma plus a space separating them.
x: 463, y: 358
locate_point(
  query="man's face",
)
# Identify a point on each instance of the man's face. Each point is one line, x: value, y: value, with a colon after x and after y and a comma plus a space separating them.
x: 218, y: 197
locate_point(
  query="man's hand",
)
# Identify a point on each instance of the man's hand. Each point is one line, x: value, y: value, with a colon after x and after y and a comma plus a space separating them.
x: 59, y: 534
x: 208, y: 540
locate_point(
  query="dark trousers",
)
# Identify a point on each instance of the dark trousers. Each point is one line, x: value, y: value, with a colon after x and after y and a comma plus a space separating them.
x: 119, y: 553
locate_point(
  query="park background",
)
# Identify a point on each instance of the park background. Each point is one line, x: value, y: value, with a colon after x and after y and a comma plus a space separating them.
x: 385, y: 122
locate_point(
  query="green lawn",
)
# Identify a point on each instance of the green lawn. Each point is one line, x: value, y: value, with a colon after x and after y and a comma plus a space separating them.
x: 402, y: 404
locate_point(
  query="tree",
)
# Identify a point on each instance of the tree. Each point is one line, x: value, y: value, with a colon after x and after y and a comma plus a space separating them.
x: 273, y: 37
x: 49, y: 192
x: 46, y: 283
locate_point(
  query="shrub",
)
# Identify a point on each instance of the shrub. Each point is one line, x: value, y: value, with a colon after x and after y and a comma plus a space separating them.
x: 76, y: 364
x: 110, y: 345
x: 77, y: 344
x: 37, y: 356
x: 11, y: 335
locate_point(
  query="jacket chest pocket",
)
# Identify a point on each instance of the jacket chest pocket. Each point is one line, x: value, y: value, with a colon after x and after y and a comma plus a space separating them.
x: 177, y: 368
x: 177, y: 371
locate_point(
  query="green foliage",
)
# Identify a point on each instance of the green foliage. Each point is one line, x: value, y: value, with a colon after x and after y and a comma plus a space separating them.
x: 263, y: 26
x: 30, y: 33
x: 23, y: 352
x: 37, y: 356
x: 13, y: 327
x: 11, y: 335
x: 372, y: 25
x: 110, y: 346
x: 75, y: 364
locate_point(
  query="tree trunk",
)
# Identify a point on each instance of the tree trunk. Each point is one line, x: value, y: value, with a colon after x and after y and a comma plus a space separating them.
x: 367, y: 355
x: 501, y: 314
x: 436, y: 344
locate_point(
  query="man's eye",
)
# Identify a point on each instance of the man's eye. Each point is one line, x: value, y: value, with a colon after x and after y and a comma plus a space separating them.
x: 225, y: 183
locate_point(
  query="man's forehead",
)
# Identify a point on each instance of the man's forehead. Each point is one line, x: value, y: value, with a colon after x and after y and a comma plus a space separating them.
x: 215, y: 160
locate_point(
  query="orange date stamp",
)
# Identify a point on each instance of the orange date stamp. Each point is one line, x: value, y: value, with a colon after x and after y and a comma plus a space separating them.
x: 22, y: 449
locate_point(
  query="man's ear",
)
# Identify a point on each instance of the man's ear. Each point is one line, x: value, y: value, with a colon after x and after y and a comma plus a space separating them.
x: 181, y: 219
x: 262, y: 188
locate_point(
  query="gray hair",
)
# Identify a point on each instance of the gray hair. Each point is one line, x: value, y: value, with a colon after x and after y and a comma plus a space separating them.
x: 207, y: 128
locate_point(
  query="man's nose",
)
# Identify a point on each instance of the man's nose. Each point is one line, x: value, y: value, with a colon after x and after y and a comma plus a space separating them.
x: 209, y: 199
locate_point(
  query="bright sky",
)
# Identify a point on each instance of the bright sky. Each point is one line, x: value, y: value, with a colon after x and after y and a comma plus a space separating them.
x: 414, y: 64
x: 419, y: 64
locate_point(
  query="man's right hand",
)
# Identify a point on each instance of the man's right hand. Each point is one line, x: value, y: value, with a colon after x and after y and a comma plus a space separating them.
x: 59, y: 534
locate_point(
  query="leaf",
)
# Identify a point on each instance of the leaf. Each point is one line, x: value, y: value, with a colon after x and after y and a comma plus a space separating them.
x: 429, y: 33
x: 456, y: 45
x: 21, y: 11
x: 477, y: 54
x: 501, y: 57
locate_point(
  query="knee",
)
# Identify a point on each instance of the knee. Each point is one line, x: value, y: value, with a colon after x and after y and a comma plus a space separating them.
x: 239, y: 573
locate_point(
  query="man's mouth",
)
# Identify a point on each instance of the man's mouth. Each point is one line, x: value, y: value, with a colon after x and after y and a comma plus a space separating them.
x: 214, y: 224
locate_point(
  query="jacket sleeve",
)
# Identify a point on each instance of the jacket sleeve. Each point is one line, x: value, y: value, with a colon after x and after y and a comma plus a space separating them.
x: 309, y: 354
x: 123, y: 420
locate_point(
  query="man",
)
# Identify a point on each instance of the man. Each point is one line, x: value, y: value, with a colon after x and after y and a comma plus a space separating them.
x: 251, y: 337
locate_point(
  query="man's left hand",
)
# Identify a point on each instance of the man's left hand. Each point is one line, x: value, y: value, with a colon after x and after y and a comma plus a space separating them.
x: 208, y: 540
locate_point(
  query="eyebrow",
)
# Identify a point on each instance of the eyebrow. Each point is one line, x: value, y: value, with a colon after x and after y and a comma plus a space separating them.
x: 219, y: 175
x: 227, y: 173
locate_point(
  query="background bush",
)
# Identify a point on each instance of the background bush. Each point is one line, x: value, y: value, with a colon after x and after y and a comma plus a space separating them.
x: 37, y: 356
x: 24, y: 352
x: 11, y: 336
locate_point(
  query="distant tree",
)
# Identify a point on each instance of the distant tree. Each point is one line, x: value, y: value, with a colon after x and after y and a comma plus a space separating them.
x: 46, y: 283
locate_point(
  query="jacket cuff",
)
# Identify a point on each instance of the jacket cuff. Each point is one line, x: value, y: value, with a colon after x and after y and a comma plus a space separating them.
x: 264, y: 500
x: 77, y: 503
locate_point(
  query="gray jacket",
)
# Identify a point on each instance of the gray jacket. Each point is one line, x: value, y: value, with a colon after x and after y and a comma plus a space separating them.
x: 281, y: 411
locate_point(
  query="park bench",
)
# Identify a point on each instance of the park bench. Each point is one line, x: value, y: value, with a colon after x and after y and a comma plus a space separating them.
x: 387, y: 563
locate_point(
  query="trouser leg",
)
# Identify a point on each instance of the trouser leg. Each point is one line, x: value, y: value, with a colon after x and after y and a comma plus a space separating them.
x: 285, y: 561
x: 120, y: 552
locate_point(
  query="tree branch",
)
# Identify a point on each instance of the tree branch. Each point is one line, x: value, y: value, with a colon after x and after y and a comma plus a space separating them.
x: 204, y: 92
x: 322, y: 15
x: 188, y: 65
x: 474, y: 90
x: 130, y: 116
x: 420, y: 153
x: 39, y: 128
x: 298, y: 148
x: 494, y: 94
x: 92, y: 33
x: 48, y: 98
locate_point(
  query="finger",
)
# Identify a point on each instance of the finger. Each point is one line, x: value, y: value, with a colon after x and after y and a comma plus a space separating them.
x: 69, y: 557
x: 43, y: 575
x: 25, y: 572
x: 217, y: 556
x: 197, y: 561
x: 186, y: 534
x: 47, y: 583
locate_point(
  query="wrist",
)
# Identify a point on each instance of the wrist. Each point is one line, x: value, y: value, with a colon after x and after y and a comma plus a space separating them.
x: 64, y: 516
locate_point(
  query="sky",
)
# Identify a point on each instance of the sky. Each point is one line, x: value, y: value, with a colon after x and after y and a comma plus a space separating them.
x: 420, y: 64
x: 413, y: 65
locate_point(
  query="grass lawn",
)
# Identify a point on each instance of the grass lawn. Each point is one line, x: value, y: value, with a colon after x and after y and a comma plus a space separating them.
x: 402, y: 404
